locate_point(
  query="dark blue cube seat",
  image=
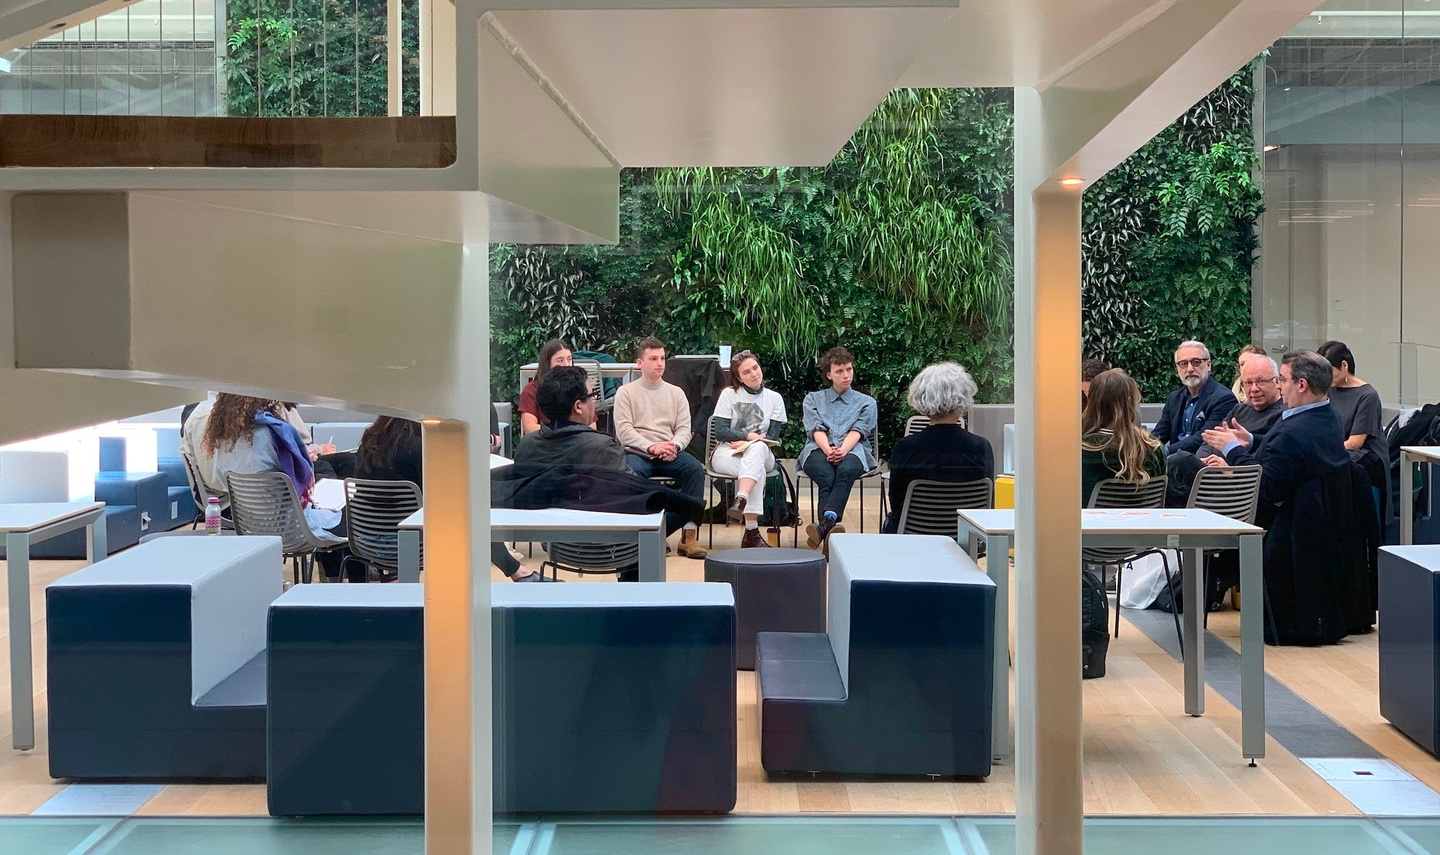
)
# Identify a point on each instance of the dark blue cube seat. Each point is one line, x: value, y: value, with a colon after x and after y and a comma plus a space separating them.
x: 607, y: 698
x: 156, y: 661
x: 1410, y: 641
x: 901, y: 683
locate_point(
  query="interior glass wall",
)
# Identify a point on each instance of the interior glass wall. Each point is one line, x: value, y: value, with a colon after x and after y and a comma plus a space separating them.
x: 154, y: 58
x: 1351, y: 134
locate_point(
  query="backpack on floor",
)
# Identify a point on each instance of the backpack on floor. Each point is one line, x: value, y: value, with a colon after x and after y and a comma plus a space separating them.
x: 782, y: 506
x: 1094, y: 624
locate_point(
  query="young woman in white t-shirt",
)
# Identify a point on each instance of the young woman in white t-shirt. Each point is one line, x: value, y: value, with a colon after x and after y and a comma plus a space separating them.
x: 746, y: 414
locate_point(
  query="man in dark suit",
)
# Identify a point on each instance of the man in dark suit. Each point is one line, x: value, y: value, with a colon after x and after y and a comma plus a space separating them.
x: 1316, y: 506
x: 1198, y: 405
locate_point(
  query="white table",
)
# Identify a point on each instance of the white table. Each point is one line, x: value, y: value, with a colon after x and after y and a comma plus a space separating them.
x: 1189, y: 530
x: 608, y: 371
x: 1410, y: 457
x: 553, y: 524
x: 24, y: 525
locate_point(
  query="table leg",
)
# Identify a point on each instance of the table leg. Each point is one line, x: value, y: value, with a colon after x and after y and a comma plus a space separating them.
x: 97, y: 544
x: 652, y: 555
x: 407, y: 546
x: 22, y: 686
x: 1407, y: 502
x: 997, y: 566
x: 1193, y: 573
x: 1252, y: 647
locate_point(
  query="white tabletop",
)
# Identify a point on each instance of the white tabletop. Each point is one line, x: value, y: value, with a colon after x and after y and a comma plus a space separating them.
x: 25, y: 517
x: 496, y: 461
x: 1121, y: 521
x: 552, y: 518
x: 1426, y: 452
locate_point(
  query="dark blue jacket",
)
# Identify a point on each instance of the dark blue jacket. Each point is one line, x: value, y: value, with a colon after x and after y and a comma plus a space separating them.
x: 1213, y: 407
x: 1307, y: 445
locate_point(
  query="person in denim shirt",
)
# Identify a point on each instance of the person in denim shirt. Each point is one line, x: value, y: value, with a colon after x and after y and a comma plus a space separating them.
x: 838, y: 424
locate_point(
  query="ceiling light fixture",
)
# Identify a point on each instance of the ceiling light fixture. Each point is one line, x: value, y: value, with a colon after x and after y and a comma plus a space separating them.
x: 60, y: 25
x: 1271, y: 146
x: 1071, y: 183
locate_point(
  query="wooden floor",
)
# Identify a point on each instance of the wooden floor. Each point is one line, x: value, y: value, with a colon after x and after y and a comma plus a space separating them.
x: 1142, y: 754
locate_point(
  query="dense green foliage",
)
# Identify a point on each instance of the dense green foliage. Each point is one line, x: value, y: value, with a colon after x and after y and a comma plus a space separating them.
x: 315, y: 58
x: 900, y: 250
x: 1169, y: 241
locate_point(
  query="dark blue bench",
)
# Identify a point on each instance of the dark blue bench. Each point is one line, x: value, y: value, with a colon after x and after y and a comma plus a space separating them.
x: 607, y: 698
x: 156, y: 661
x: 1410, y: 641
x: 902, y: 681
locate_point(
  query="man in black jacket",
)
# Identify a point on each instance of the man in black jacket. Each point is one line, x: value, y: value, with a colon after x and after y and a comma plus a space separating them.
x: 1315, y: 547
x: 1198, y: 405
x: 568, y: 457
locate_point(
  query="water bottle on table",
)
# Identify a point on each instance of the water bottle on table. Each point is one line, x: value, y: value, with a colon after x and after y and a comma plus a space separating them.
x: 212, y: 515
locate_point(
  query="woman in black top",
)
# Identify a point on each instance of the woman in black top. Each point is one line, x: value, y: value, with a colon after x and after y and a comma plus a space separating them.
x: 944, y: 451
x: 391, y: 450
x: 1358, y: 406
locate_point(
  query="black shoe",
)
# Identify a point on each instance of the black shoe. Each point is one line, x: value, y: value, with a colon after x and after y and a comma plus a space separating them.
x: 736, y: 513
x: 753, y: 538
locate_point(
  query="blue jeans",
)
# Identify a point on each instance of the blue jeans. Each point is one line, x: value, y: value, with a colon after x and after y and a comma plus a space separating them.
x: 688, y: 474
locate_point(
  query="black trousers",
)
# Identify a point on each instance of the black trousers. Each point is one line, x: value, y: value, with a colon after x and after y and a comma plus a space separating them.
x: 833, y: 480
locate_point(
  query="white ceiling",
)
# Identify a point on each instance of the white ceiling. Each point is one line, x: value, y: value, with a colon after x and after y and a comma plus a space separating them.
x: 723, y: 87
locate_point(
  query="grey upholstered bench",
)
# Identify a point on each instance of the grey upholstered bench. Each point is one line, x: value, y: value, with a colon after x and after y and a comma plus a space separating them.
x: 156, y: 661
x: 902, y: 681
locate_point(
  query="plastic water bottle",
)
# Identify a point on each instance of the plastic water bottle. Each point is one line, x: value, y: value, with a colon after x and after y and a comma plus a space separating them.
x: 212, y: 515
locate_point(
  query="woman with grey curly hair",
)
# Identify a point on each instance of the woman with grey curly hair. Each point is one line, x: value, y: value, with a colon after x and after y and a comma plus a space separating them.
x: 944, y: 451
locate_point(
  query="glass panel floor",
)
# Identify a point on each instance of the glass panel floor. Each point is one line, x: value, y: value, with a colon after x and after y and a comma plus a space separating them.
x: 752, y: 835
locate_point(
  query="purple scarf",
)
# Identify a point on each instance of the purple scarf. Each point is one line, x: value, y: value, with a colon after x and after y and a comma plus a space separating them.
x: 290, y: 449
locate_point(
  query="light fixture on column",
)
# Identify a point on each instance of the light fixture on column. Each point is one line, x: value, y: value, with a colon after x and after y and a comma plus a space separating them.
x: 1072, y: 183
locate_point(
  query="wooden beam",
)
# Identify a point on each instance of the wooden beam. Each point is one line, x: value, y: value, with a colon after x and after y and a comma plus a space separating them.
x: 407, y: 142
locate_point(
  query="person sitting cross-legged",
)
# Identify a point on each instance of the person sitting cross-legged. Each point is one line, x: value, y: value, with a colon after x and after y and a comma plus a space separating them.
x: 746, y: 417
x: 652, y: 422
x: 838, y: 422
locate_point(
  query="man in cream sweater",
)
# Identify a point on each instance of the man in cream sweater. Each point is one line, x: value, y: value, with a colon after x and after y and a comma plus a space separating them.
x: 652, y: 421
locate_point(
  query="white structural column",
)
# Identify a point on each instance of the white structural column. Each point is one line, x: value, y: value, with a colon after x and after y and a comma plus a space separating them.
x: 457, y: 593
x: 1048, y: 789
x: 394, y: 59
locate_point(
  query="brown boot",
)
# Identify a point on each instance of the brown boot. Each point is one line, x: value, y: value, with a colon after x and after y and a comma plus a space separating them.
x: 753, y: 537
x: 690, y: 544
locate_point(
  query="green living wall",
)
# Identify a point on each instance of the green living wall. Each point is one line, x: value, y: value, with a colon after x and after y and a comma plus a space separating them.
x: 900, y: 249
x: 316, y: 58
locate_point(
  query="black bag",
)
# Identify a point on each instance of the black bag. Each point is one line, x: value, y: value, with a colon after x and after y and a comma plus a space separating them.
x: 1422, y: 429
x: 782, y: 507
x: 1094, y: 625
x: 1222, y: 572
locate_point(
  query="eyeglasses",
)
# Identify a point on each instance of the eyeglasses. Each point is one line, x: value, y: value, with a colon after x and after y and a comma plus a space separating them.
x: 594, y: 393
x: 1190, y: 363
x: 1252, y: 384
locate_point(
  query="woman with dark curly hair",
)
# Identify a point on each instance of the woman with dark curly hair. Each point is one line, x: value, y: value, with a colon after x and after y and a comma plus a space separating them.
x: 248, y: 435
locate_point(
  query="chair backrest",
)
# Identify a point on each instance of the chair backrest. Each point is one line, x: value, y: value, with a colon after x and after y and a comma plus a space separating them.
x: 265, y: 503
x: 197, y: 486
x: 915, y: 424
x: 594, y: 557
x: 930, y: 506
x: 710, y: 441
x: 596, y: 379
x: 1232, y: 491
x: 1114, y: 493
x: 373, y: 513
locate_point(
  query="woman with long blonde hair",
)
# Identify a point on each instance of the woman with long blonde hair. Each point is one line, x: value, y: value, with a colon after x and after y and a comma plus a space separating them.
x: 1114, y: 443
